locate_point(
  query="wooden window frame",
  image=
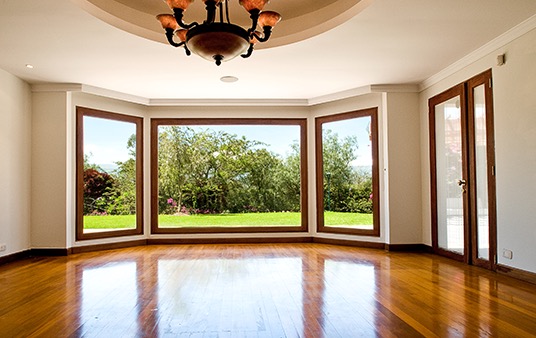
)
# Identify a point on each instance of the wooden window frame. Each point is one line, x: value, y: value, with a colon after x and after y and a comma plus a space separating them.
x: 319, y: 121
x: 138, y: 121
x: 301, y: 122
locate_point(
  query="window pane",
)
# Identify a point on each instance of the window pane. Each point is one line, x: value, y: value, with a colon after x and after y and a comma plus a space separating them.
x: 228, y: 176
x: 347, y: 170
x: 109, y: 175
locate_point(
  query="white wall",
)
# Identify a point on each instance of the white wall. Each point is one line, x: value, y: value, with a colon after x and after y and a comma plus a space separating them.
x: 515, y: 132
x: 15, y: 155
x: 403, y: 167
x: 399, y: 131
x: 49, y: 170
x: 54, y: 136
x: 514, y: 89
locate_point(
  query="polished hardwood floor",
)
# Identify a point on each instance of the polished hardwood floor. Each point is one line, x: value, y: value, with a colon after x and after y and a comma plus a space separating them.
x: 281, y: 290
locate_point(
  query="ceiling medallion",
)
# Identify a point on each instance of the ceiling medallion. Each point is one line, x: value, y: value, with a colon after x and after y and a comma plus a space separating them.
x: 218, y: 41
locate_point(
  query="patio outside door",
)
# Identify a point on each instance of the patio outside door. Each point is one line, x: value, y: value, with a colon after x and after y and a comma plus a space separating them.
x: 463, y: 172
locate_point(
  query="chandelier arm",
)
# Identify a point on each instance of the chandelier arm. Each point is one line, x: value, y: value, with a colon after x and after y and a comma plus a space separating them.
x: 267, y: 30
x: 178, y: 14
x: 211, y: 11
x: 169, y: 35
x: 249, y: 52
x: 186, y: 50
x: 254, y: 20
x: 227, y: 12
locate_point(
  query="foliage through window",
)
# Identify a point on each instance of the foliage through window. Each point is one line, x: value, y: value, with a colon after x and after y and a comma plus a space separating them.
x: 347, y: 173
x: 109, y: 171
x: 227, y: 175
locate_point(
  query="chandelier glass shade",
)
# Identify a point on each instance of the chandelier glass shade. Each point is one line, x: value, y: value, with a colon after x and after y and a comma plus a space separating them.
x: 221, y: 40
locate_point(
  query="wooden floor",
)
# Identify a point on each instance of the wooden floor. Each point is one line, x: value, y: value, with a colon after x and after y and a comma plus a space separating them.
x: 283, y: 290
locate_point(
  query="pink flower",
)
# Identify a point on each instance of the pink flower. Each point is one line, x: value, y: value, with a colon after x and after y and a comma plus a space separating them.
x: 170, y: 201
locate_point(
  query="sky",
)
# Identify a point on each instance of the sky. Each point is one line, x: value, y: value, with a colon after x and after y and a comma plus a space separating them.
x: 105, y: 141
x: 358, y: 127
x: 279, y: 138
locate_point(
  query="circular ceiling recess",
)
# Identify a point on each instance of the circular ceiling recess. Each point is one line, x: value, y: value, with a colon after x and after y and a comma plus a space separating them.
x: 301, y: 19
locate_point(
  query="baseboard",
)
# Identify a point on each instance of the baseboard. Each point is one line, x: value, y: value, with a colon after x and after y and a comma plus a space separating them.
x: 249, y: 240
x: 345, y: 242
x: 420, y: 248
x: 524, y: 275
x: 49, y: 252
x: 108, y: 246
x: 14, y: 257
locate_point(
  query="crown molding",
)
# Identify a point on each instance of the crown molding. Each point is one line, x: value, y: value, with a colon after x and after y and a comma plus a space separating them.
x: 56, y: 87
x: 379, y: 88
x: 345, y: 94
x: 396, y: 88
x: 82, y: 88
x: 228, y: 102
x: 115, y: 95
x: 76, y: 87
x: 497, y: 43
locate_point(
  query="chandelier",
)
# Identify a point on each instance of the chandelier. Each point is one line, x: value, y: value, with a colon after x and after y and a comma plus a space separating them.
x: 218, y: 41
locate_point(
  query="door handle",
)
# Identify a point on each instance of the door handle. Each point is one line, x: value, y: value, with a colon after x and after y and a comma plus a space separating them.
x: 462, y: 183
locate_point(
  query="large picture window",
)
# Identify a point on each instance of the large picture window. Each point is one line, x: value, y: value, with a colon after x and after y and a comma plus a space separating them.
x: 228, y: 175
x: 347, y: 173
x: 109, y: 164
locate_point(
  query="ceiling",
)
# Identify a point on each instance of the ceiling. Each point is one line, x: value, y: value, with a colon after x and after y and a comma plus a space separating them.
x: 329, y: 47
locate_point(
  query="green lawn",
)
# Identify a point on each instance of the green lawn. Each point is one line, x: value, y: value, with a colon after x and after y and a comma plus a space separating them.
x: 332, y: 218
x: 231, y: 220
x: 227, y: 220
x: 110, y: 222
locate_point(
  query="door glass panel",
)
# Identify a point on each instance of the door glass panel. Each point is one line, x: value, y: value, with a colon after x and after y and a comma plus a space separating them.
x: 450, y: 213
x: 481, y: 172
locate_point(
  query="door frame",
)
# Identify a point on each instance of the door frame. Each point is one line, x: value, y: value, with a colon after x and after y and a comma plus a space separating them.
x: 465, y: 92
x: 476, y: 81
x: 458, y: 90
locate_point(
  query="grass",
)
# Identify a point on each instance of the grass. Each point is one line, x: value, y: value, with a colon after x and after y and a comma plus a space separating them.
x: 228, y: 220
x: 231, y: 220
x: 332, y: 218
x: 110, y: 222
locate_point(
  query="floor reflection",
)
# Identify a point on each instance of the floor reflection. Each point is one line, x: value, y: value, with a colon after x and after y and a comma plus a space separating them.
x: 242, y: 297
x: 109, y: 299
x: 233, y: 293
x: 349, y: 293
x: 295, y: 290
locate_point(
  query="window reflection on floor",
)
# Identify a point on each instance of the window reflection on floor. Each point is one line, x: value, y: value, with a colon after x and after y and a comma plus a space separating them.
x: 219, y: 296
x: 109, y: 298
x: 349, y: 298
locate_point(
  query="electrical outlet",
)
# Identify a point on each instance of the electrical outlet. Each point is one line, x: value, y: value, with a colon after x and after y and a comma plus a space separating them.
x: 508, y: 254
x: 3, y: 247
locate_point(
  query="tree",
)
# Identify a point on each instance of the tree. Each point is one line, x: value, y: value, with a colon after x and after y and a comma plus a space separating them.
x: 337, y: 156
x: 111, y: 193
x: 346, y: 189
x: 97, y: 189
x: 214, y: 171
